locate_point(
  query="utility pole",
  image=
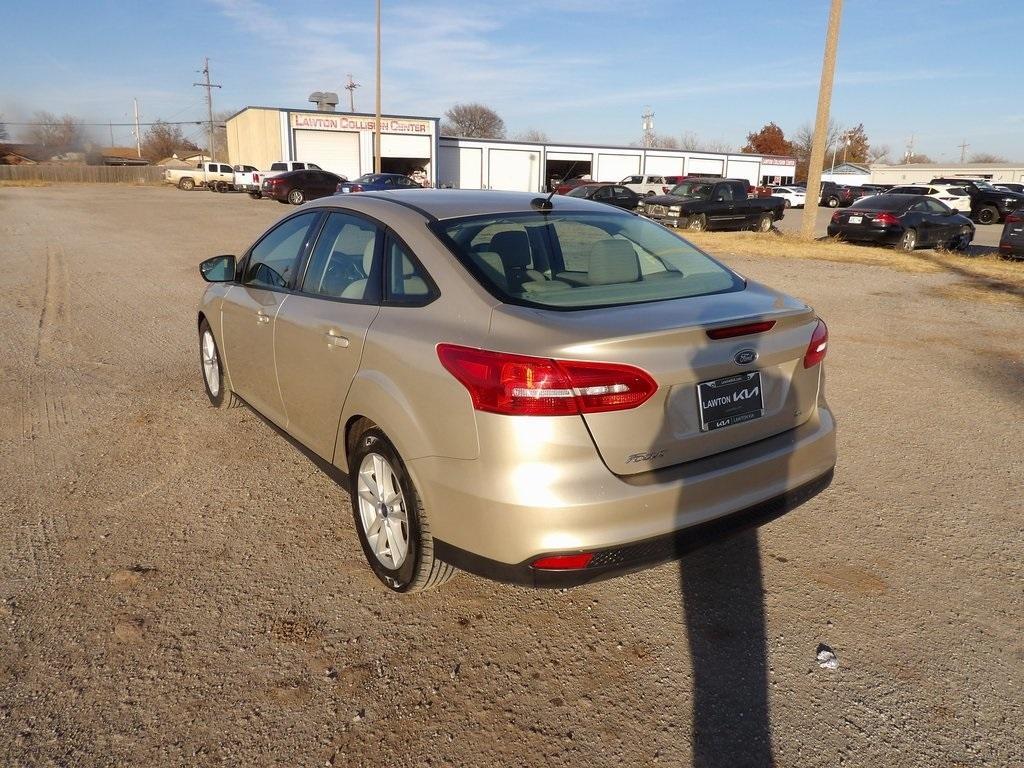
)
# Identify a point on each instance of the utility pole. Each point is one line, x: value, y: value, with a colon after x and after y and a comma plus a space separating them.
x: 963, y: 151
x: 138, y: 137
x: 209, y: 97
x: 376, y: 125
x: 351, y: 88
x: 111, y: 133
x: 910, y: 149
x: 647, y: 121
x: 828, y: 69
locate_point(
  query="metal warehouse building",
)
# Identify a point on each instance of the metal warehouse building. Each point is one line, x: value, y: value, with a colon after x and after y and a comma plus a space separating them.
x: 917, y: 173
x: 343, y: 143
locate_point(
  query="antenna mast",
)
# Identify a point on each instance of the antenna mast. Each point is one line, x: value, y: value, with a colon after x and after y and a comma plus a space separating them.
x: 209, y: 97
x: 351, y: 88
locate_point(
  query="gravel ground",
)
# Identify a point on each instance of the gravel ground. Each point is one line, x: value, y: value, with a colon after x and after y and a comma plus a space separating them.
x: 180, y: 586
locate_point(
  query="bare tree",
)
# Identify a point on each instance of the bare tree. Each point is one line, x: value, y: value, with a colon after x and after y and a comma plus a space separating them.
x: 690, y: 140
x: 916, y: 158
x: 531, y: 134
x: 61, y: 133
x: 658, y: 141
x: 474, y: 121
x: 804, y: 138
x: 985, y: 157
x: 879, y: 154
x: 162, y: 140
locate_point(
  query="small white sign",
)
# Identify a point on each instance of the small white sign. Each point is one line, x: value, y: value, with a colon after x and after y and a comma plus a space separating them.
x: 856, y: 219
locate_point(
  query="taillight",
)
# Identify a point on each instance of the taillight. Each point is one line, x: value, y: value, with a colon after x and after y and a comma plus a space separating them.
x: 666, y: 190
x: 520, y: 385
x: 885, y: 218
x: 819, y: 345
x: 255, y: 178
x: 1014, y: 218
x: 564, y: 562
x: 836, y: 216
x: 732, y: 331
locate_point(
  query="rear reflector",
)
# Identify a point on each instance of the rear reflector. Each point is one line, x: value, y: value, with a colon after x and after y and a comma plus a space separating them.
x: 520, y: 385
x: 733, y: 331
x: 564, y: 562
x: 818, y: 347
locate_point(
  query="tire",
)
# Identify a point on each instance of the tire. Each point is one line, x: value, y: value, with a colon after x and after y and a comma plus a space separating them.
x: 988, y: 215
x: 908, y: 242
x: 255, y: 195
x: 832, y: 202
x: 222, y: 186
x: 698, y: 223
x: 786, y: 203
x: 649, y: 193
x: 764, y: 224
x: 375, y: 468
x: 186, y: 184
x: 212, y: 370
x: 296, y: 197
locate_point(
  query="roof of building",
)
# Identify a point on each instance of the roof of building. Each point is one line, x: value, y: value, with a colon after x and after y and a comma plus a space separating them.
x: 944, y: 166
x: 33, y: 152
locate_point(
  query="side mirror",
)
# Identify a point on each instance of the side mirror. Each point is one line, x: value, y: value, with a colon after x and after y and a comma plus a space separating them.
x: 218, y: 269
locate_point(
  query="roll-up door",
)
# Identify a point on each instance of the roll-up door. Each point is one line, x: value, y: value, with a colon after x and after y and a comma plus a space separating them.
x: 744, y: 169
x: 400, y: 145
x: 335, y: 151
x: 616, y: 167
x: 513, y: 169
x: 665, y: 165
x: 703, y: 166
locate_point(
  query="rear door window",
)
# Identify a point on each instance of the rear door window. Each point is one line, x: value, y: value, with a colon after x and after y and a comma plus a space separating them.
x: 343, y: 262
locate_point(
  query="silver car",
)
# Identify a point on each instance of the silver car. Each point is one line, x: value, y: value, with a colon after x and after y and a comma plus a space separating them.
x: 541, y: 391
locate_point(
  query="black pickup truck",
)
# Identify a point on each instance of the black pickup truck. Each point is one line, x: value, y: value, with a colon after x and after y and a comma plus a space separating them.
x: 988, y: 204
x: 701, y: 204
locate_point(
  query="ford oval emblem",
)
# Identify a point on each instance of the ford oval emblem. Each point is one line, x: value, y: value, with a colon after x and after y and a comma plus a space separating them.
x: 745, y: 357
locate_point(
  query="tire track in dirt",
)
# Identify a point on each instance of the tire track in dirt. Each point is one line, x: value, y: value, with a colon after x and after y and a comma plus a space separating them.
x: 54, y: 315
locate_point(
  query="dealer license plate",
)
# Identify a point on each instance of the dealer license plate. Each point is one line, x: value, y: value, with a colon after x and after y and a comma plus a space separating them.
x: 856, y: 219
x: 728, y: 401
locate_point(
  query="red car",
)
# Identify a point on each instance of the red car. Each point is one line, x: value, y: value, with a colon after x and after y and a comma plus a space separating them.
x: 296, y: 187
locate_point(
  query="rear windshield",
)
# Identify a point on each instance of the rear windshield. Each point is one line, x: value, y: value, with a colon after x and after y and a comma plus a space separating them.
x: 882, y: 203
x: 578, y: 191
x: 278, y: 167
x: 582, y: 260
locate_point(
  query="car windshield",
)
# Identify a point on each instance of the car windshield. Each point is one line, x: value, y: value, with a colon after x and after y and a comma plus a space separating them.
x: 699, y: 190
x: 366, y: 178
x: 582, y: 260
x: 985, y: 185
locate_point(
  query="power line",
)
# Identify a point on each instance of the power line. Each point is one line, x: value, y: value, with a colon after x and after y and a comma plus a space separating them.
x: 116, y: 125
x: 209, y: 97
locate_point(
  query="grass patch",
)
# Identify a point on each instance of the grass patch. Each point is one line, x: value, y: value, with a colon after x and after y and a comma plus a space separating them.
x: 24, y: 183
x: 986, y: 277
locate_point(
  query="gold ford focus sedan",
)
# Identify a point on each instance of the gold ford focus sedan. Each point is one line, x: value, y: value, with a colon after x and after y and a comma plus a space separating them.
x: 544, y: 392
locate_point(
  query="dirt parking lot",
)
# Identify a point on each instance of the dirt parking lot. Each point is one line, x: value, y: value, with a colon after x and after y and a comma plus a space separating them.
x: 180, y: 586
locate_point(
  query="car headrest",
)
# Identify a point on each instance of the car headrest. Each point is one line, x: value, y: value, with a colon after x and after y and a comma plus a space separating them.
x: 613, y: 261
x: 513, y: 247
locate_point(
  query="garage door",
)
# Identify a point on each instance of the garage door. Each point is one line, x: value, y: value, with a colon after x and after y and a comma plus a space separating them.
x: 460, y: 167
x: 745, y: 169
x: 392, y: 145
x: 616, y: 167
x: 665, y: 165
x: 513, y: 169
x: 335, y: 151
x: 703, y: 166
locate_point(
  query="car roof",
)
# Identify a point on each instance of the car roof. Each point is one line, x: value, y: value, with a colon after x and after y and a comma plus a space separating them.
x: 456, y: 203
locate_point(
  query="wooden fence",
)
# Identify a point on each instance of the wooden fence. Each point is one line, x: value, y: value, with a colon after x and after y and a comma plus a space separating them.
x: 96, y: 174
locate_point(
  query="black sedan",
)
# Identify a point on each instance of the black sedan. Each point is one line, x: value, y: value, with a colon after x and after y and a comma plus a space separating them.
x: 1011, y: 244
x: 906, y: 221
x: 296, y: 187
x: 613, y: 194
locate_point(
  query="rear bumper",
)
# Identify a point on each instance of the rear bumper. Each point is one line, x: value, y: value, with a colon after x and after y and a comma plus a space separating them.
x: 866, y: 234
x: 497, y: 523
x: 616, y: 561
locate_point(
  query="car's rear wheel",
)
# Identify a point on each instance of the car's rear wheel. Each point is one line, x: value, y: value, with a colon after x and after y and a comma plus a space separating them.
x: 255, y: 195
x: 832, y: 202
x: 908, y: 241
x: 217, y: 390
x: 295, y: 197
x: 390, y: 518
x: 186, y: 184
x: 963, y: 239
x: 764, y: 224
x: 786, y: 203
x: 698, y: 223
x: 650, y: 193
x: 988, y: 215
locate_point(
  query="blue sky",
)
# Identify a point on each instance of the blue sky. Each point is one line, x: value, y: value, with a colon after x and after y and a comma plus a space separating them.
x: 580, y: 70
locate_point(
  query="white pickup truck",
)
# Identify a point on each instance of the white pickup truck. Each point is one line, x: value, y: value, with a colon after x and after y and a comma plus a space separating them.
x: 216, y: 176
x: 248, y: 179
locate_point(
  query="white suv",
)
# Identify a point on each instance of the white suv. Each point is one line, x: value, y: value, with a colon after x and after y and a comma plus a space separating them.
x: 950, y: 194
x: 647, y: 185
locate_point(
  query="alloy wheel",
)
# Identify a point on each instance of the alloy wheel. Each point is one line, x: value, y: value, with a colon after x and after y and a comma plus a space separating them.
x: 382, y: 511
x: 211, y: 365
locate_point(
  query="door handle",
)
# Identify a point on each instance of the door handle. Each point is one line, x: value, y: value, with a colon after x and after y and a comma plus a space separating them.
x: 262, y: 317
x: 335, y: 339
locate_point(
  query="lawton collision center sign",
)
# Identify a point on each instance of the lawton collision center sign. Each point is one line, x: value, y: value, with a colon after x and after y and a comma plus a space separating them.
x: 355, y: 123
